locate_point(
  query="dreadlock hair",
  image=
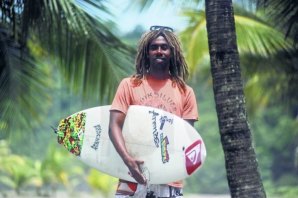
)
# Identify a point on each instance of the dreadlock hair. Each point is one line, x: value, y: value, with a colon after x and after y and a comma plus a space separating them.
x: 178, y: 67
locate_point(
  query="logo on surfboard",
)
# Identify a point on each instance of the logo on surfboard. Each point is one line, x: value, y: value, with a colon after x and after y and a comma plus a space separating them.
x: 164, y: 119
x: 154, y: 125
x: 193, y: 157
x: 98, y: 133
x: 158, y: 134
x: 164, y: 141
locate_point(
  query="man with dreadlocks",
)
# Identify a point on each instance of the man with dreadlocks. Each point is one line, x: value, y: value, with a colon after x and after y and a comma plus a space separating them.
x: 159, y: 82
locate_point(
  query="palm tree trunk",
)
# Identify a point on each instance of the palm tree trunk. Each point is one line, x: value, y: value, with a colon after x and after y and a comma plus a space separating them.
x: 241, y: 164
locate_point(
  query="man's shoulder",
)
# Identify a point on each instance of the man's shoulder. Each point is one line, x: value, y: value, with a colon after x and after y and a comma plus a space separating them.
x: 188, y: 89
x: 131, y: 81
x: 126, y: 80
x: 188, y: 86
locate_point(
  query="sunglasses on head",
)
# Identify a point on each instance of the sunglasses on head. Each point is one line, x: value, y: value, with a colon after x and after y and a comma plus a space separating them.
x: 158, y: 27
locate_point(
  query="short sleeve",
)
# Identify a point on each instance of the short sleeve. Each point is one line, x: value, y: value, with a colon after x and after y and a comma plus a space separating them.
x: 190, y: 108
x: 122, y: 98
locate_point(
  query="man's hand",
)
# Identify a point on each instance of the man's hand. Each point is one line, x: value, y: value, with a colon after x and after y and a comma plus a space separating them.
x: 134, y: 167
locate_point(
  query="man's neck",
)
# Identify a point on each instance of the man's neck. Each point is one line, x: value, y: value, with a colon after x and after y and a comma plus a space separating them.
x: 159, y: 73
x: 159, y: 76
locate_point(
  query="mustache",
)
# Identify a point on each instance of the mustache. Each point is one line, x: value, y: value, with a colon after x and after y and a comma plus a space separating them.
x: 159, y: 57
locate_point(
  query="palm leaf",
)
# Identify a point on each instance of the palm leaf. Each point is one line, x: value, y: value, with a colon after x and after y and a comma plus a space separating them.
x: 194, y: 39
x: 283, y: 14
x: 82, y: 48
x: 254, y: 37
x: 143, y: 5
x: 22, y: 83
x: 269, y: 81
x: 87, y: 49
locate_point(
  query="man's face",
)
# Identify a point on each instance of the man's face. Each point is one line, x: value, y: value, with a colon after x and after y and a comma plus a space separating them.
x: 159, y: 52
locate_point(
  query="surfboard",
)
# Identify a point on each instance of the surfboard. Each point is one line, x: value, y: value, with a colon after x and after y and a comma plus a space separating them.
x: 170, y: 147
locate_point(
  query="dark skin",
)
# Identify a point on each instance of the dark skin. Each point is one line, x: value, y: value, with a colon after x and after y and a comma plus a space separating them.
x: 159, y: 57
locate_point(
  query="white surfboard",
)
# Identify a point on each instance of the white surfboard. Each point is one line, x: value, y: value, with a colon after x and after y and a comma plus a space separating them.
x: 169, y: 146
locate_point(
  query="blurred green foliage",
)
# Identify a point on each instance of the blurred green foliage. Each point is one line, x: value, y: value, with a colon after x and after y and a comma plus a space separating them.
x: 16, y: 171
x: 31, y: 157
x: 102, y: 182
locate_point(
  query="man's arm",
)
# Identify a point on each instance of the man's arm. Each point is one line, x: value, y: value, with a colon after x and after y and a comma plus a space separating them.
x: 115, y: 132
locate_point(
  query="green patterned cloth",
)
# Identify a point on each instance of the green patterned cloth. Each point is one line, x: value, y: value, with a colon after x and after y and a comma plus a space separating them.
x: 71, y: 132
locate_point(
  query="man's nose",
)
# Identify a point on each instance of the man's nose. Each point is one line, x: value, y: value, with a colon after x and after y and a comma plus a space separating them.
x: 159, y: 50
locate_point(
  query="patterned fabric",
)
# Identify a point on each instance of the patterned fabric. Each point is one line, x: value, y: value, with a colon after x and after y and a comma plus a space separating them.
x: 128, y: 189
x: 71, y: 132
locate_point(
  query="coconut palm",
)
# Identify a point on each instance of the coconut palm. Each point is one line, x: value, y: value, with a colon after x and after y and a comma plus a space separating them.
x: 76, y: 44
x: 241, y: 165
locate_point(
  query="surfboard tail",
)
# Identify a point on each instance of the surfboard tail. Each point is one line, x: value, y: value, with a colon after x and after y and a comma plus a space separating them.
x: 193, y: 157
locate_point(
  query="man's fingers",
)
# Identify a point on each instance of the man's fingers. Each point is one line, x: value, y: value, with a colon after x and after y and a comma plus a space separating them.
x: 138, y: 176
x: 140, y: 162
x: 136, y: 171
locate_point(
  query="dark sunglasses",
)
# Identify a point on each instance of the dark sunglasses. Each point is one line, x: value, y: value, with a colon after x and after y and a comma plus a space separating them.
x: 157, y: 27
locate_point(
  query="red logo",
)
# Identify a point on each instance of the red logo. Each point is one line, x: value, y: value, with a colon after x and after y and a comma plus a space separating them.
x: 193, y: 157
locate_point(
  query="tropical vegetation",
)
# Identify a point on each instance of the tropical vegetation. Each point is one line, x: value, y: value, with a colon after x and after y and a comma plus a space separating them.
x: 48, y: 71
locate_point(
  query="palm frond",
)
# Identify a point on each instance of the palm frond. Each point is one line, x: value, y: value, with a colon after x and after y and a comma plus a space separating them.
x: 194, y: 40
x: 254, y: 36
x: 283, y: 14
x: 143, y: 5
x: 271, y: 81
x: 23, y: 98
x: 88, y: 50
x: 91, y: 58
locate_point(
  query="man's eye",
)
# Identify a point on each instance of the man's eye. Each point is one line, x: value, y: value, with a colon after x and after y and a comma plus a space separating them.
x: 153, y: 47
x: 164, y: 47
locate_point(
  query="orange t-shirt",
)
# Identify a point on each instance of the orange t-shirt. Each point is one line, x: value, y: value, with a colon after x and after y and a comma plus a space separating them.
x: 160, y: 94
